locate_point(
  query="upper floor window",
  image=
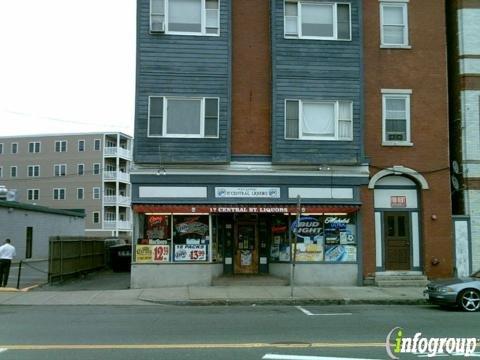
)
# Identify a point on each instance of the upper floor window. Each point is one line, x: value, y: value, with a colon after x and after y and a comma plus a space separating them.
x: 81, y: 145
x: 96, y: 193
x: 396, y: 117
x: 97, y: 144
x: 13, y: 171
x: 61, y: 146
x: 80, y: 193
x: 33, y: 194
x: 34, y: 147
x: 1, y: 171
x: 318, y: 120
x: 185, y: 17
x: 96, y: 169
x: 33, y: 170
x: 60, y: 169
x: 14, y: 148
x: 59, y: 194
x: 80, y: 169
x: 183, y: 117
x: 317, y: 20
x: 1, y: 148
x: 394, y: 24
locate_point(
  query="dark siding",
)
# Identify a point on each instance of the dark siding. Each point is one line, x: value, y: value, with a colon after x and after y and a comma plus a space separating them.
x: 184, y: 66
x: 315, y: 69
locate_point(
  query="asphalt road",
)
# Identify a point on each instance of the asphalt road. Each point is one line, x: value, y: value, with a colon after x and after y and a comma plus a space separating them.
x: 219, y: 332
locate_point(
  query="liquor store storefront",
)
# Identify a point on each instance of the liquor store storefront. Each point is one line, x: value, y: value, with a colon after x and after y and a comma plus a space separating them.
x: 191, y: 244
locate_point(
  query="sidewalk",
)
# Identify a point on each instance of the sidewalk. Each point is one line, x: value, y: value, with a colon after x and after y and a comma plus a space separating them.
x: 218, y: 295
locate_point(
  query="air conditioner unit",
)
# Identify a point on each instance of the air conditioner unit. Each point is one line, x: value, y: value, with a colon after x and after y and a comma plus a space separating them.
x: 395, y: 136
x: 157, y: 27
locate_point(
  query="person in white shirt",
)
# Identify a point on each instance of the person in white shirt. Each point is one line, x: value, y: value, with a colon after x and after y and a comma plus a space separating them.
x: 7, y: 253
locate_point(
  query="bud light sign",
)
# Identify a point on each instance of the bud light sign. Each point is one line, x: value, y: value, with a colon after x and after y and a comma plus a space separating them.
x: 307, y: 226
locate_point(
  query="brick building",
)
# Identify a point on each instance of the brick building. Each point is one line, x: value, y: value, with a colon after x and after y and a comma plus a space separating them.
x: 244, y: 108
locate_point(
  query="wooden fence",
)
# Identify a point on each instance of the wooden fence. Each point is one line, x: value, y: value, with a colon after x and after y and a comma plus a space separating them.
x: 75, y: 255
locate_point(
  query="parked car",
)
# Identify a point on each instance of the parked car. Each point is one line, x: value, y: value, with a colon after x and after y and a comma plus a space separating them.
x: 464, y: 292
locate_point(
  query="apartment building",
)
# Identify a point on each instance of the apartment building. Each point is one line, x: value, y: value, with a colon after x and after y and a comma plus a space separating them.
x: 464, y: 70
x: 87, y: 171
x: 250, y: 114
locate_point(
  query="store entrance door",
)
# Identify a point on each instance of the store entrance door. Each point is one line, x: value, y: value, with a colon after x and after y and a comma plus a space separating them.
x: 246, y: 248
x: 397, y: 240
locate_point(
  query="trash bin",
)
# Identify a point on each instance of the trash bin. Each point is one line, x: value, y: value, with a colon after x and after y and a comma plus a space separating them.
x: 121, y: 257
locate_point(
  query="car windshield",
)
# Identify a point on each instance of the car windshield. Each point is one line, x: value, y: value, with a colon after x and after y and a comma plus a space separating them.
x: 476, y: 275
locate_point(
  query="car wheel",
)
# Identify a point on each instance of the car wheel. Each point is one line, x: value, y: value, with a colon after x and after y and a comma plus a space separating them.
x: 469, y: 300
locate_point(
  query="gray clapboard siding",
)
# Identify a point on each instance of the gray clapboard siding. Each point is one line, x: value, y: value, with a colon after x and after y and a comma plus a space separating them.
x: 315, y: 69
x: 178, y: 65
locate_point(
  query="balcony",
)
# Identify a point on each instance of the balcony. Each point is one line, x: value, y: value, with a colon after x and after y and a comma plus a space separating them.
x: 117, y: 151
x: 116, y: 176
x: 116, y: 200
x: 120, y: 225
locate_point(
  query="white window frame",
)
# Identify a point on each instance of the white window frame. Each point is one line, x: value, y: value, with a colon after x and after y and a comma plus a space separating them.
x: 99, y: 193
x: 203, y: 23
x: 34, y: 143
x: 33, y: 167
x: 59, y: 167
x: 61, y: 143
x: 33, y: 192
x: 93, y: 217
x: 1, y: 148
x: 94, y: 171
x: 84, y: 145
x: 202, y: 117
x: 397, y: 94
x: 299, y: 20
x: 316, y: 138
x: 83, y: 170
x: 16, y: 171
x: 99, y: 141
x: 16, y: 148
x: 395, y: 3
x: 57, y: 192
x: 1, y: 171
x: 83, y: 193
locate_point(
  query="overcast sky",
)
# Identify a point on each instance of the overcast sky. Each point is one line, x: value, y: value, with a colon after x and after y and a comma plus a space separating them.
x: 67, y: 66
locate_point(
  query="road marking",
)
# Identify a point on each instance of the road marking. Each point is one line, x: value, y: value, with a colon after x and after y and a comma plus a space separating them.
x: 308, y: 313
x: 189, y: 346
x: 301, y: 357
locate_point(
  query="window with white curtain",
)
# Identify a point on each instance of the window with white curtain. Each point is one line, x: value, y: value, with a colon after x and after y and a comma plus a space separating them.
x: 396, y: 117
x: 318, y: 120
x: 185, y: 17
x: 183, y: 117
x: 317, y: 20
x: 394, y: 24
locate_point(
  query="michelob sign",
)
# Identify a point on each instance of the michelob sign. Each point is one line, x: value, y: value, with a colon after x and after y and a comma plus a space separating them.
x: 307, y: 227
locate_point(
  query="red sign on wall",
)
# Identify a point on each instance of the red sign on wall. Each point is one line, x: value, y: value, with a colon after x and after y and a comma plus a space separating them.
x: 398, y: 201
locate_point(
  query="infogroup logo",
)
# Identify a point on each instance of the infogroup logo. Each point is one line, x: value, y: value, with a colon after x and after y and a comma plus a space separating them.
x: 397, y: 344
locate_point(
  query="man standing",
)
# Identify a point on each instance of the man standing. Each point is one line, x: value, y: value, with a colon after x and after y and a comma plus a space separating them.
x: 7, y: 252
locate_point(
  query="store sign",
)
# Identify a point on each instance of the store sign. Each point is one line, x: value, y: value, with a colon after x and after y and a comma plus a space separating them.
x: 152, y: 253
x: 307, y: 226
x: 247, y: 192
x: 248, y: 209
x: 186, y: 252
x: 398, y: 201
x: 193, y: 227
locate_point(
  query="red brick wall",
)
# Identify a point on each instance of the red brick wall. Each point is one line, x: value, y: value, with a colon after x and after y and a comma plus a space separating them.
x: 423, y: 69
x: 251, y: 93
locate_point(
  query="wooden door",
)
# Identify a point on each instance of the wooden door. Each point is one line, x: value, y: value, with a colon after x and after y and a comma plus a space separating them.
x: 246, y: 248
x: 397, y: 240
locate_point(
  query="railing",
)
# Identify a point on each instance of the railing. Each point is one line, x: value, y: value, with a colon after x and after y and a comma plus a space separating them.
x: 117, y: 199
x: 30, y: 272
x: 120, y: 224
x: 117, y: 151
x: 116, y: 175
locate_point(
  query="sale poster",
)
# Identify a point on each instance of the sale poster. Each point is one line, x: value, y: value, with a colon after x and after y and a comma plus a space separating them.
x: 152, y: 253
x: 189, y: 252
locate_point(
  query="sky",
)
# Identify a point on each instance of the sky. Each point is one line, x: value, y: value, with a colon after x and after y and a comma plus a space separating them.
x: 67, y: 66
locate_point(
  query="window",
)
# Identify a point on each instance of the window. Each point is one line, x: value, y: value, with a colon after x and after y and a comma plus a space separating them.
x: 183, y: 117
x: 97, y: 144
x: 29, y: 242
x: 318, y: 120
x: 58, y: 194
x: 96, y: 217
x: 96, y: 169
x: 14, y: 148
x: 61, y: 146
x: 96, y: 193
x: 317, y: 20
x: 33, y: 194
x: 396, y: 117
x: 33, y: 170
x: 187, y: 17
x: 34, y: 147
x: 394, y: 24
x: 1, y: 171
x: 80, y: 193
x: 60, y: 170
x: 81, y: 145
x: 13, y: 171
x: 80, y: 169
x: 1, y: 148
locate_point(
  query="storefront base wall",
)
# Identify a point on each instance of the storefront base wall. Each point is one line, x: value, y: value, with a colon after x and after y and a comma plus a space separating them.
x: 318, y: 274
x: 166, y: 275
